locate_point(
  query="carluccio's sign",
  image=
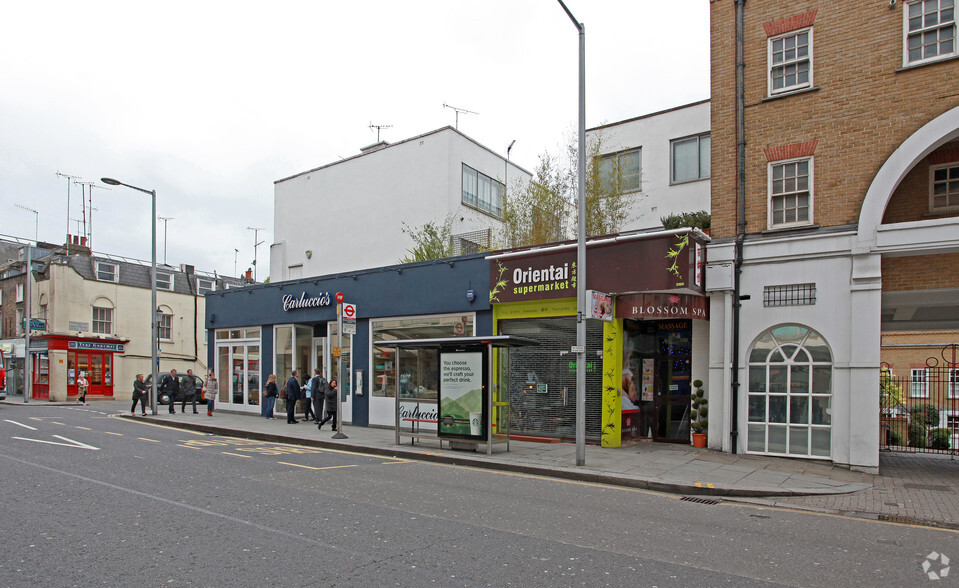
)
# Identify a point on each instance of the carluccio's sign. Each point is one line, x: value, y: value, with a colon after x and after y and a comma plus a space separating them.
x: 662, y: 262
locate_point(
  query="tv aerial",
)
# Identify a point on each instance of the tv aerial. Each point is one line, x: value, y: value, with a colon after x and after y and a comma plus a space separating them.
x: 458, y: 111
x: 378, y: 127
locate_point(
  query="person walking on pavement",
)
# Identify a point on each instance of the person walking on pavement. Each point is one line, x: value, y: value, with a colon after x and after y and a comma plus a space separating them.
x: 269, y: 397
x: 310, y: 394
x: 189, y: 391
x: 82, y: 385
x: 210, y: 389
x: 171, y: 385
x: 331, y: 393
x: 292, y: 395
x: 139, y: 395
x: 319, y: 395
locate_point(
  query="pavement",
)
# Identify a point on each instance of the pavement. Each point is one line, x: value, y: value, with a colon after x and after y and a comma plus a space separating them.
x: 921, y: 489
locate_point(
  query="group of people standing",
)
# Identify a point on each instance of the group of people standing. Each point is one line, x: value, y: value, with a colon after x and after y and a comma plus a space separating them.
x: 172, y: 386
x: 317, y: 392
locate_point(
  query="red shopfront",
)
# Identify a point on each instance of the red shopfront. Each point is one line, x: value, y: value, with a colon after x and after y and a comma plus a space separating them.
x: 58, y: 361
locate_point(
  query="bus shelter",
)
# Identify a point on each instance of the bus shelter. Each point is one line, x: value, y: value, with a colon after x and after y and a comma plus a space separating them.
x: 454, y: 389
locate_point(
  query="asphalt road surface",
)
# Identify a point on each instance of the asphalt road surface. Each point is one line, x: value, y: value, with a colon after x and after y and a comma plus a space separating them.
x: 90, y: 499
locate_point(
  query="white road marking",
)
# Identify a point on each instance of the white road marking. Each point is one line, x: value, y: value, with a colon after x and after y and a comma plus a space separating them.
x: 21, y: 425
x: 69, y: 442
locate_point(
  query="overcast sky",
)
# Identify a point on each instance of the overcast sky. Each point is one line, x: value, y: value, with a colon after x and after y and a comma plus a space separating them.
x: 210, y: 102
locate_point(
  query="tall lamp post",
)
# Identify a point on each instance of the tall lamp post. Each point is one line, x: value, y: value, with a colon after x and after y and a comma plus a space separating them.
x: 581, y: 252
x: 28, y: 305
x: 153, y: 288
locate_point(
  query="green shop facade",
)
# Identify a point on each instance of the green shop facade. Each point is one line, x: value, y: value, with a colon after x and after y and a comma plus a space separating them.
x: 641, y: 361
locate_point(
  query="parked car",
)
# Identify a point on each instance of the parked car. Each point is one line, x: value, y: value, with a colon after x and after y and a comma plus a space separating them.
x: 164, y: 398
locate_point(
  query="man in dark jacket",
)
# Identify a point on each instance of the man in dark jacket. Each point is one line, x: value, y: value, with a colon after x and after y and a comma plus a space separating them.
x: 292, y: 395
x: 189, y: 391
x: 171, y: 385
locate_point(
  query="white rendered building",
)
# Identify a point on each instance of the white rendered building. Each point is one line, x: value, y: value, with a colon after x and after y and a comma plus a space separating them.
x: 350, y: 214
x: 663, y: 162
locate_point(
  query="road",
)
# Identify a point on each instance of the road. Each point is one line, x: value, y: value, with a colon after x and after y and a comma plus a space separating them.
x: 89, y: 499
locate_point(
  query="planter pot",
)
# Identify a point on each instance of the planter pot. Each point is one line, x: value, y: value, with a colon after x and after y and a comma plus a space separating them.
x: 699, y: 440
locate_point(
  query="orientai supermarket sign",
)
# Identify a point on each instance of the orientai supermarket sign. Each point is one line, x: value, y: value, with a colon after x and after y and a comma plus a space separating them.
x: 662, y: 262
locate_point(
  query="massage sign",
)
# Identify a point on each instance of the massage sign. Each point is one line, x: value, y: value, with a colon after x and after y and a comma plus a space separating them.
x: 661, y: 262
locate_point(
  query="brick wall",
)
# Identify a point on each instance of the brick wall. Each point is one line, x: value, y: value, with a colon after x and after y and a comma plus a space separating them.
x: 927, y: 272
x: 862, y: 105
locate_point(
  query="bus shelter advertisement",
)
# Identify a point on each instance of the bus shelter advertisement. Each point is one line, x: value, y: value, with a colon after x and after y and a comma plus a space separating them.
x: 461, y: 395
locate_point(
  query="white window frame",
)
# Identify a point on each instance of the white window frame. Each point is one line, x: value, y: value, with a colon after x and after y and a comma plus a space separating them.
x: 163, y: 284
x: 98, y: 323
x: 471, y: 195
x: 165, y: 322
x: 616, y: 184
x: 954, y: 196
x: 923, y: 30
x: 202, y: 288
x: 771, y: 67
x: 20, y: 292
x: 918, y: 383
x: 699, y: 158
x: 1, y: 296
x: 809, y: 190
x: 953, y: 383
x: 104, y: 268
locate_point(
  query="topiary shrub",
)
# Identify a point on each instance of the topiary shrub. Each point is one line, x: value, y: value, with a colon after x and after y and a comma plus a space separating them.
x: 918, y: 436
x: 697, y: 415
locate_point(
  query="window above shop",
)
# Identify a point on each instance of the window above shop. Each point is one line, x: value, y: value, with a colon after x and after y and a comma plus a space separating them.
x: 790, y: 193
x: 790, y: 61
x: 205, y: 286
x: 107, y: 272
x: 164, y: 281
x: 102, y: 320
x: 929, y: 31
x: 165, y: 327
x: 689, y: 160
x: 944, y: 188
x: 621, y: 172
x: 482, y: 192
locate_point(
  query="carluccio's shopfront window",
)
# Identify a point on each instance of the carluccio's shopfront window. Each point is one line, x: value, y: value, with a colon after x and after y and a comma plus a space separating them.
x: 411, y: 382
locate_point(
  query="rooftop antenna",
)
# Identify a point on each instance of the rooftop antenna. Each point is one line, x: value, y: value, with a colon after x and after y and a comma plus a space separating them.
x: 88, y: 210
x: 378, y: 127
x: 69, y: 179
x: 458, y: 111
x: 164, y: 219
x: 255, y: 245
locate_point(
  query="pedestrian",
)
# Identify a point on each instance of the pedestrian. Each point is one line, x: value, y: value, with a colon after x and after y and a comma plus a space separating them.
x: 292, y: 395
x: 269, y: 396
x: 189, y: 391
x: 319, y: 396
x: 210, y: 389
x: 82, y: 387
x: 311, y: 393
x: 331, y: 393
x: 171, y: 385
x: 139, y: 395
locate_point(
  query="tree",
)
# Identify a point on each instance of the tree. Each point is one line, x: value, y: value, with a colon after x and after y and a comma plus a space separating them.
x: 537, y: 213
x: 431, y: 241
x: 541, y: 211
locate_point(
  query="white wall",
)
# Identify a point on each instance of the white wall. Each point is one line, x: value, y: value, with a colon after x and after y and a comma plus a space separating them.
x: 653, y: 133
x: 350, y: 214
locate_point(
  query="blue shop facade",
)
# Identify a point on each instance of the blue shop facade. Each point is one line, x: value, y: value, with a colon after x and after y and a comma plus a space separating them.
x: 275, y: 328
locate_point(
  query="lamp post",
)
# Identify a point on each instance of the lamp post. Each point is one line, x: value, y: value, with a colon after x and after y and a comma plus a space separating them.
x: 581, y: 252
x: 28, y: 305
x: 153, y: 287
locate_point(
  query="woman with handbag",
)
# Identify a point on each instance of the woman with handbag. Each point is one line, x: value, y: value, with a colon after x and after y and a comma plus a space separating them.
x: 269, y: 397
x: 210, y: 389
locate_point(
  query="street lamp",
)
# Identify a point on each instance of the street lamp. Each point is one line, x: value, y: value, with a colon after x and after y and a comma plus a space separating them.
x: 153, y: 288
x: 581, y: 253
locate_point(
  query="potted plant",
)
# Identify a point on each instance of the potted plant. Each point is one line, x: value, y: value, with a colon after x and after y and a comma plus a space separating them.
x: 697, y: 415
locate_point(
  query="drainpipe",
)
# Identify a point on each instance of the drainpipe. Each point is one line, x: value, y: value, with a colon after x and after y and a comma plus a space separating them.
x: 741, y: 217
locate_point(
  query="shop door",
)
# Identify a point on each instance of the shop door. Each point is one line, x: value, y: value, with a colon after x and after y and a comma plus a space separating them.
x: 243, y: 367
x: 673, y: 382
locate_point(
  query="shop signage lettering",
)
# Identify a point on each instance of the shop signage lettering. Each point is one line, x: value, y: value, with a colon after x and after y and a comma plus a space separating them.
x: 304, y: 301
x: 662, y: 306
x: 418, y: 417
x: 650, y: 264
x: 94, y: 346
